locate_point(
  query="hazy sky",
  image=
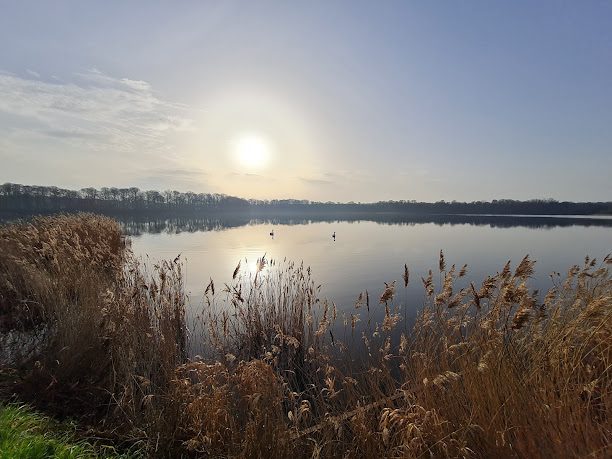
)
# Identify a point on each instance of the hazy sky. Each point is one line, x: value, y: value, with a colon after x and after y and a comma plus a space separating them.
x: 325, y: 100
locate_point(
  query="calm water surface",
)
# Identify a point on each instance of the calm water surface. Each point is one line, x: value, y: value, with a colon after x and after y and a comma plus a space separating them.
x: 365, y: 254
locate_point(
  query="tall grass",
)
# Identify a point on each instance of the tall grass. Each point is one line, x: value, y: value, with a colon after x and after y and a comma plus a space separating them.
x: 101, y: 334
x: 25, y: 434
x: 488, y: 370
x: 499, y: 372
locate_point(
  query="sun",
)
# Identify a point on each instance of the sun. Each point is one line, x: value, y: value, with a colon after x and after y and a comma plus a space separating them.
x: 252, y: 151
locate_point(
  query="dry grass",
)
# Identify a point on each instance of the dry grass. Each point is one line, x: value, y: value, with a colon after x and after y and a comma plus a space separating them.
x: 489, y: 370
x: 507, y: 375
x: 90, y: 331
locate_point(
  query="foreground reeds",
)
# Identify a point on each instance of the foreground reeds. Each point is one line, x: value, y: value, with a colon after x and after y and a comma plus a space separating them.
x: 488, y: 370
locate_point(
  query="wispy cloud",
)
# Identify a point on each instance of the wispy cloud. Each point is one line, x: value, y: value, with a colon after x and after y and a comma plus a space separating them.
x: 185, y: 179
x: 92, y: 110
x: 178, y: 172
x: 339, y: 178
x: 250, y: 175
x: 316, y: 181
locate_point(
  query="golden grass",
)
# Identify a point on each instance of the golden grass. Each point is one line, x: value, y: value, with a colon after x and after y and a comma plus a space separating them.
x: 510, y: 376
x: 93, y: 328
x: 494, y: 370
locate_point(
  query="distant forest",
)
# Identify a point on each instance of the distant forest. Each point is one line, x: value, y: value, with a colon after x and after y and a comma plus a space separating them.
x: 26, y: 199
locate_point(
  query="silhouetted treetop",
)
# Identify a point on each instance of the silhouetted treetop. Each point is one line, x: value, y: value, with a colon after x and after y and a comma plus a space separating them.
x: 17, y: 198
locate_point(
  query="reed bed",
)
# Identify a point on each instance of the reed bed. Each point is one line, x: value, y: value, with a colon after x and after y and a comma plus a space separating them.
x: 493, y: 369
x: 87, y: 330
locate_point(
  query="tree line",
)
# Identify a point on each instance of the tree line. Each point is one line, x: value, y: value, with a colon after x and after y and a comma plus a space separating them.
x: 17, y: 198
x: 27, y: 198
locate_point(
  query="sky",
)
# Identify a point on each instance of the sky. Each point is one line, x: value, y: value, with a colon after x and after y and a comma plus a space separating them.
x: 323, y: 100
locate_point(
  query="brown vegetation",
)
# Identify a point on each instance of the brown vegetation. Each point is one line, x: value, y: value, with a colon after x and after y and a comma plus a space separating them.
x: 489, y: 370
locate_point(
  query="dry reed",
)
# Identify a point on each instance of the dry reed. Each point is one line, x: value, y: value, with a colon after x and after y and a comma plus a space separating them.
x: 490, y: 370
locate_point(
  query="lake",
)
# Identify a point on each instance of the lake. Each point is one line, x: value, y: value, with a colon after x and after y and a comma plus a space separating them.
x: 368, y: 252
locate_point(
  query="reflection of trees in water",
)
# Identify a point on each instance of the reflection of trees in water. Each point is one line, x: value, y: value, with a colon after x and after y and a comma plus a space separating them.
x: 175, y: 225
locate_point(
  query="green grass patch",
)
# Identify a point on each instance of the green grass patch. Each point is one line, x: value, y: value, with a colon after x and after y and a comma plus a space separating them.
x: 25, y: 434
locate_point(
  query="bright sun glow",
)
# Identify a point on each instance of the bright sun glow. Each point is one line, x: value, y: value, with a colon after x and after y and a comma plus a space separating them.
x: 252, y: 151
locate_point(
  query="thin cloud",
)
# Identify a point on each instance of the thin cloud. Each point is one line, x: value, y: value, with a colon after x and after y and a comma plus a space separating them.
x: 177, y: 172
x: 315, y: 181
x: 92, y: 110
x: 341, y: 178
x: 69, y: 134
x: 246, y: 174
x: 187, y: 172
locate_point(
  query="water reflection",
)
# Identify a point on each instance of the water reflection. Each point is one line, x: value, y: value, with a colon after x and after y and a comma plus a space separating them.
x: 175, y: 225
x: 367, y: 253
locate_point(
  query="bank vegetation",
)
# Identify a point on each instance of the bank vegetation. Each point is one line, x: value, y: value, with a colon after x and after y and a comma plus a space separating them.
x: 267, y: 368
